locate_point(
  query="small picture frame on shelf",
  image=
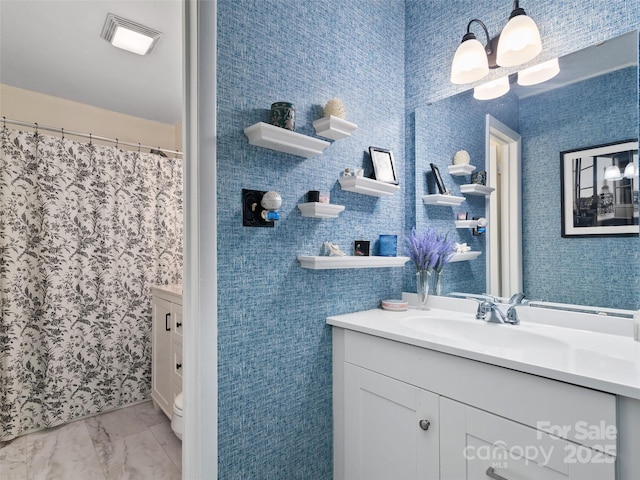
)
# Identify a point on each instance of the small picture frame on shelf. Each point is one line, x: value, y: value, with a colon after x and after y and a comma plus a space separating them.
x: 461, y: 216
x: 361, y: 248
x: 383, y: 167
x: 438, y: 178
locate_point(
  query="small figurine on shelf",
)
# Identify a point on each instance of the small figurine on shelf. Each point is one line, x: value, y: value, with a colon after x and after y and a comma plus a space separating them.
x: 462, y: 248
x: 333, y: 250
x: 336, y: 108
x: 461, y: 157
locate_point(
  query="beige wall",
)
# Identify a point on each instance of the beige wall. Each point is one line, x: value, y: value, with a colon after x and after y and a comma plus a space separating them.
x: 29, y: 106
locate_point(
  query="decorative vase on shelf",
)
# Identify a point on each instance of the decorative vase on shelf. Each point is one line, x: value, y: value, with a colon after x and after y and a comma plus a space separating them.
x: 437, y: 282
x: 423, y: 279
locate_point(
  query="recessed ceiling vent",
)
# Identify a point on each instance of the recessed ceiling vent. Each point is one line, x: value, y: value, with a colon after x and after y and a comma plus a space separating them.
x: 128, y: 35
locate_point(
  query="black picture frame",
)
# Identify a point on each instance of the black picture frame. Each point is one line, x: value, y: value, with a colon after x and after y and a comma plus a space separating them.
x: 384, y: 168
x: 592, y: 205
x: 438, y: 178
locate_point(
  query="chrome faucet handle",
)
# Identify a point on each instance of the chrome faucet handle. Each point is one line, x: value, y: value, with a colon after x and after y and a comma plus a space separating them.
x: 512, y: 316
x: 517, y: 299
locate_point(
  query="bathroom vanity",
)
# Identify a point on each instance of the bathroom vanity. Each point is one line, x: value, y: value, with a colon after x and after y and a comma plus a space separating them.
x: 166, y: 365
x: 438, y: 394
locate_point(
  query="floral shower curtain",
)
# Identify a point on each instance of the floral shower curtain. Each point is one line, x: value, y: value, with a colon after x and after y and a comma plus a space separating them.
x: 85, y: 230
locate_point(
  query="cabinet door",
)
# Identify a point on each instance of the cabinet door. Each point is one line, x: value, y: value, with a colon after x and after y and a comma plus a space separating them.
x: 161, y: 365
x: 386, y: 436
x: 476, y: 445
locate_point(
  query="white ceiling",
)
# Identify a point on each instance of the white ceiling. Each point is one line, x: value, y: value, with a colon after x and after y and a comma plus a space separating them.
x: 54, y: 47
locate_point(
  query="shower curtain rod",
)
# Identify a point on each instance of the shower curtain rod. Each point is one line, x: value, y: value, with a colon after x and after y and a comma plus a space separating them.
x: 90, y: 136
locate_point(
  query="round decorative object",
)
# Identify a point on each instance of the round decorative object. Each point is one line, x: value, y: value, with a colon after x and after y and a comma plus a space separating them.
x: 336, y: 108
x: 271, y: 201
x: 425, y: 424
x: 283, y: 115
x: 461, y: 157
x: 394, y: 305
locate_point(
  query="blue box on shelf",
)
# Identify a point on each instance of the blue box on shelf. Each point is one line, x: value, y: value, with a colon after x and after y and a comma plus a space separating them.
x: 387, y: 245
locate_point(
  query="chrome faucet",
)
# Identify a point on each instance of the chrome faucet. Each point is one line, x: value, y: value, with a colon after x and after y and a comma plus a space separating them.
x: 490, y: 312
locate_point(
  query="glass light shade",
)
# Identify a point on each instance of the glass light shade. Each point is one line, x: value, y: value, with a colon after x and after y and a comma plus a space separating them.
x: 612, y: 173
x: 470, y: 62
x: 132, y: 41
x: 630, y: 170
x: 519, y: 42
x: 539, y: 73
x: 491, y: 90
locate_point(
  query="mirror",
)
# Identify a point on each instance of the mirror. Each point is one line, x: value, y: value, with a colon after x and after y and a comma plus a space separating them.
x: 598, y: 105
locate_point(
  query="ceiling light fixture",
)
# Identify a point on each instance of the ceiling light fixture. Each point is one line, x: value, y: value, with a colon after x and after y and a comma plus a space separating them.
x: 630, y: 170
x: 491, y: 90
x: 539, y: 73
x: 518, y: 43
x: 128, y: 35
x: 612, y: 172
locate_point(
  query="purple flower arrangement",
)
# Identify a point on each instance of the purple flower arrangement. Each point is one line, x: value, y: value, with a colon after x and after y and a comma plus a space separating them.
x: 430, y: 249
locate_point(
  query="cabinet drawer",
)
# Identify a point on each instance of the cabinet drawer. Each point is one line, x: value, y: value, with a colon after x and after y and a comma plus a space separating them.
x: 474, y: 441
x: 177, y: 365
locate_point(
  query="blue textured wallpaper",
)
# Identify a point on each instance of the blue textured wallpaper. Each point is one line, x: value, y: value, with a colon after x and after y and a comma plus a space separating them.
x: 588, y: 271
x: 274, y: 349
x: 384, y: 59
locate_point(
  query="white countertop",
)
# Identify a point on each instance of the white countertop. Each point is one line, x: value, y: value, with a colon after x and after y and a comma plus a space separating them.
x: 610, y: 363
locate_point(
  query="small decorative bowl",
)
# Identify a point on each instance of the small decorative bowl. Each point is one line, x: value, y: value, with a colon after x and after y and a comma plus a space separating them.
x: 394, y: 305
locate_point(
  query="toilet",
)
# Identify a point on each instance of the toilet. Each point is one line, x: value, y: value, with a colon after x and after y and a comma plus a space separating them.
x: 177, y: 424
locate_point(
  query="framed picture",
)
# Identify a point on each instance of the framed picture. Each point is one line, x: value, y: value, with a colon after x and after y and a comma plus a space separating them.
x: 600, y: 190
x: 439, y: 183
x: 383, y: 167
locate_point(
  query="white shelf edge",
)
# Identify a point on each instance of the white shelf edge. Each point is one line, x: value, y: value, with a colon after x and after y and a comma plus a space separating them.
x: 333, y: 127
x: 367, y: 186
x: 476, y: 189
x: 445, y: 200
x: 283, y: 140
x: 466, y: 223
x: 320, y: 210
x: 461, y: 257
x: 331, y: 263
x: 461, y: 170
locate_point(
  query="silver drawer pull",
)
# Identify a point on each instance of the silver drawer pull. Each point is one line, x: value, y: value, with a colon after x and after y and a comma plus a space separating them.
x: 424, y: 424
x: 491, y: 473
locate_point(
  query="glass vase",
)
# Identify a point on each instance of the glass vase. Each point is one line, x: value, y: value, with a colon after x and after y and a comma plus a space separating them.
x: 437, y: 283
x: 423, y: 279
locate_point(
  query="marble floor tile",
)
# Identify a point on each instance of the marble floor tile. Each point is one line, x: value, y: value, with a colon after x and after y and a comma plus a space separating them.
x: 111, y: 426
x: 169, y: 442
x: 64, y: 453
x: 149, y: 415
x: 13, y: 459
x: 137, y: 456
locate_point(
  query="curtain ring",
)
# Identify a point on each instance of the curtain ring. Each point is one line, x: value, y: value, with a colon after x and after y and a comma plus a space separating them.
x: 36, y: 124
x: 62, y: 130
x: 4, y: 122
x: 90, y: 139
x: 138, y: 147
x: 116, y: 143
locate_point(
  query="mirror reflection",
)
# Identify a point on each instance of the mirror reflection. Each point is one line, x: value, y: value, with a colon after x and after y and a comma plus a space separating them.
x: 593, y: 101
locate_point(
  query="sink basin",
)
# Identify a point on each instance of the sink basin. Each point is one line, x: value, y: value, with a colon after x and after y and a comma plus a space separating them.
x: 483, y: 333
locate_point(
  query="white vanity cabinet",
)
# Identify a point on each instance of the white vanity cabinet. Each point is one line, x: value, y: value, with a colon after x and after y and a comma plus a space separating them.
x: 166, y: 346
x: 485, y: 421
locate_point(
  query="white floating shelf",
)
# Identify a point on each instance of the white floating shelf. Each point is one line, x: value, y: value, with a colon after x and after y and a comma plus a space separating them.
x: 461, y: 257
x: 461, y: 170
x: 334, y: 128
x: 466, y: 223
x: 476, y: 189
x: 445, y: 200
x: 320, y: 210
x: 330, y: 263
x: 283, y: 140
x: 367, y: 186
